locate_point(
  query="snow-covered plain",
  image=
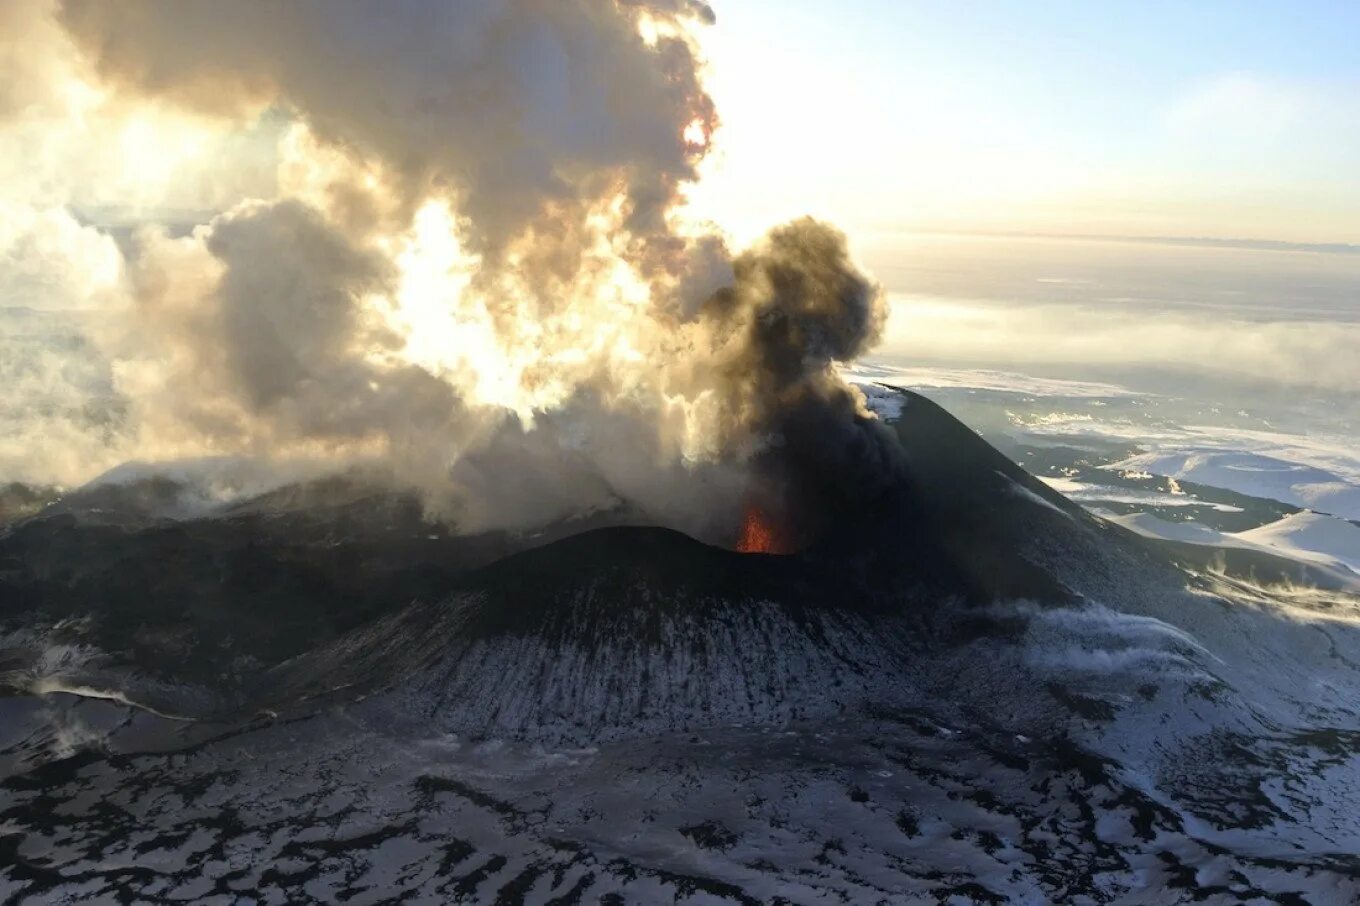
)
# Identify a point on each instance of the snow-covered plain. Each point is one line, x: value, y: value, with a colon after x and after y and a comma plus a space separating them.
x: 1278, y: 468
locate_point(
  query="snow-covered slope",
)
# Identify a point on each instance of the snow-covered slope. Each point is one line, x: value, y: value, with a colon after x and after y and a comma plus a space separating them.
x: 1256, y: 474
x: 1310, y: 536
x: 1313, y: 538
x: 1150, y: 526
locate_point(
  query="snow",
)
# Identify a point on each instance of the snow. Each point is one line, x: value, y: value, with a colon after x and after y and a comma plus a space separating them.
x: 1310, y: 536
x: 1150, y: 526
x: 1293, y: 480
x: 1086, y: 493
x: 1307, y: 536
x: 885, y: 403
x: 1020, y: 490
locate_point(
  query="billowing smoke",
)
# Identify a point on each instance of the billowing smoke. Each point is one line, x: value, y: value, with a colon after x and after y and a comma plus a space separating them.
x: 261, y: 319
x: 798, y: 306
x: 533, y: 114
x: 473, y: 265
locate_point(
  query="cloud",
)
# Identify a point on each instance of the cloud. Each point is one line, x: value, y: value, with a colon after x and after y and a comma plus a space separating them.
x: 49, y: 260
x: 1309, y: 353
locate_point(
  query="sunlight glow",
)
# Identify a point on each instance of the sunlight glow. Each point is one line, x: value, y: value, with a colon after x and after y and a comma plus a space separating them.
x: 153, y: 147
x: 500, y: 348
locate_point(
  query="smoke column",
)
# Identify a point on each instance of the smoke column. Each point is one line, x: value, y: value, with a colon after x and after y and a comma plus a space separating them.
x: 518, y: 168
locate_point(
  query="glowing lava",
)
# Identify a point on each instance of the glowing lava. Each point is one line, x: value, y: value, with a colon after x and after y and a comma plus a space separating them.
x: 760, y: 534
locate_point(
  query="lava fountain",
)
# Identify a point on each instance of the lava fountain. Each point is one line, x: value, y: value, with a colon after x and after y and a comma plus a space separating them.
x: 761, y: 534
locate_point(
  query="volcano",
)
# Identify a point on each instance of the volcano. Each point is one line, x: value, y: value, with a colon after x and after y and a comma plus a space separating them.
x: 975, y: 693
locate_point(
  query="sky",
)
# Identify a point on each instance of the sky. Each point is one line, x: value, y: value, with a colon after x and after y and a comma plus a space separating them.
x: 1213, y: 118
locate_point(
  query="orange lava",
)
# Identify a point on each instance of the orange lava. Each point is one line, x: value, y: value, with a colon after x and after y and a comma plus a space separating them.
x: 760, y: 534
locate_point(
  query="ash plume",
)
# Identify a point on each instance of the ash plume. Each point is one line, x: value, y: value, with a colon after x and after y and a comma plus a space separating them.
x: 474, y: 266
x: 796, y: 308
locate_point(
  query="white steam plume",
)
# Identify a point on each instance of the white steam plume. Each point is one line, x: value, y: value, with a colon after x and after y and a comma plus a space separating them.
x: 470, y: 263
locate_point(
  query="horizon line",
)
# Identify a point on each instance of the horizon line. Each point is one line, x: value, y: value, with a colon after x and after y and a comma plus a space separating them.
x: 1247, y: 244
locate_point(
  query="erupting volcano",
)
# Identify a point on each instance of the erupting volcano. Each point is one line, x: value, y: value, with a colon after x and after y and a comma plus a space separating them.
x: 376, y: 521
